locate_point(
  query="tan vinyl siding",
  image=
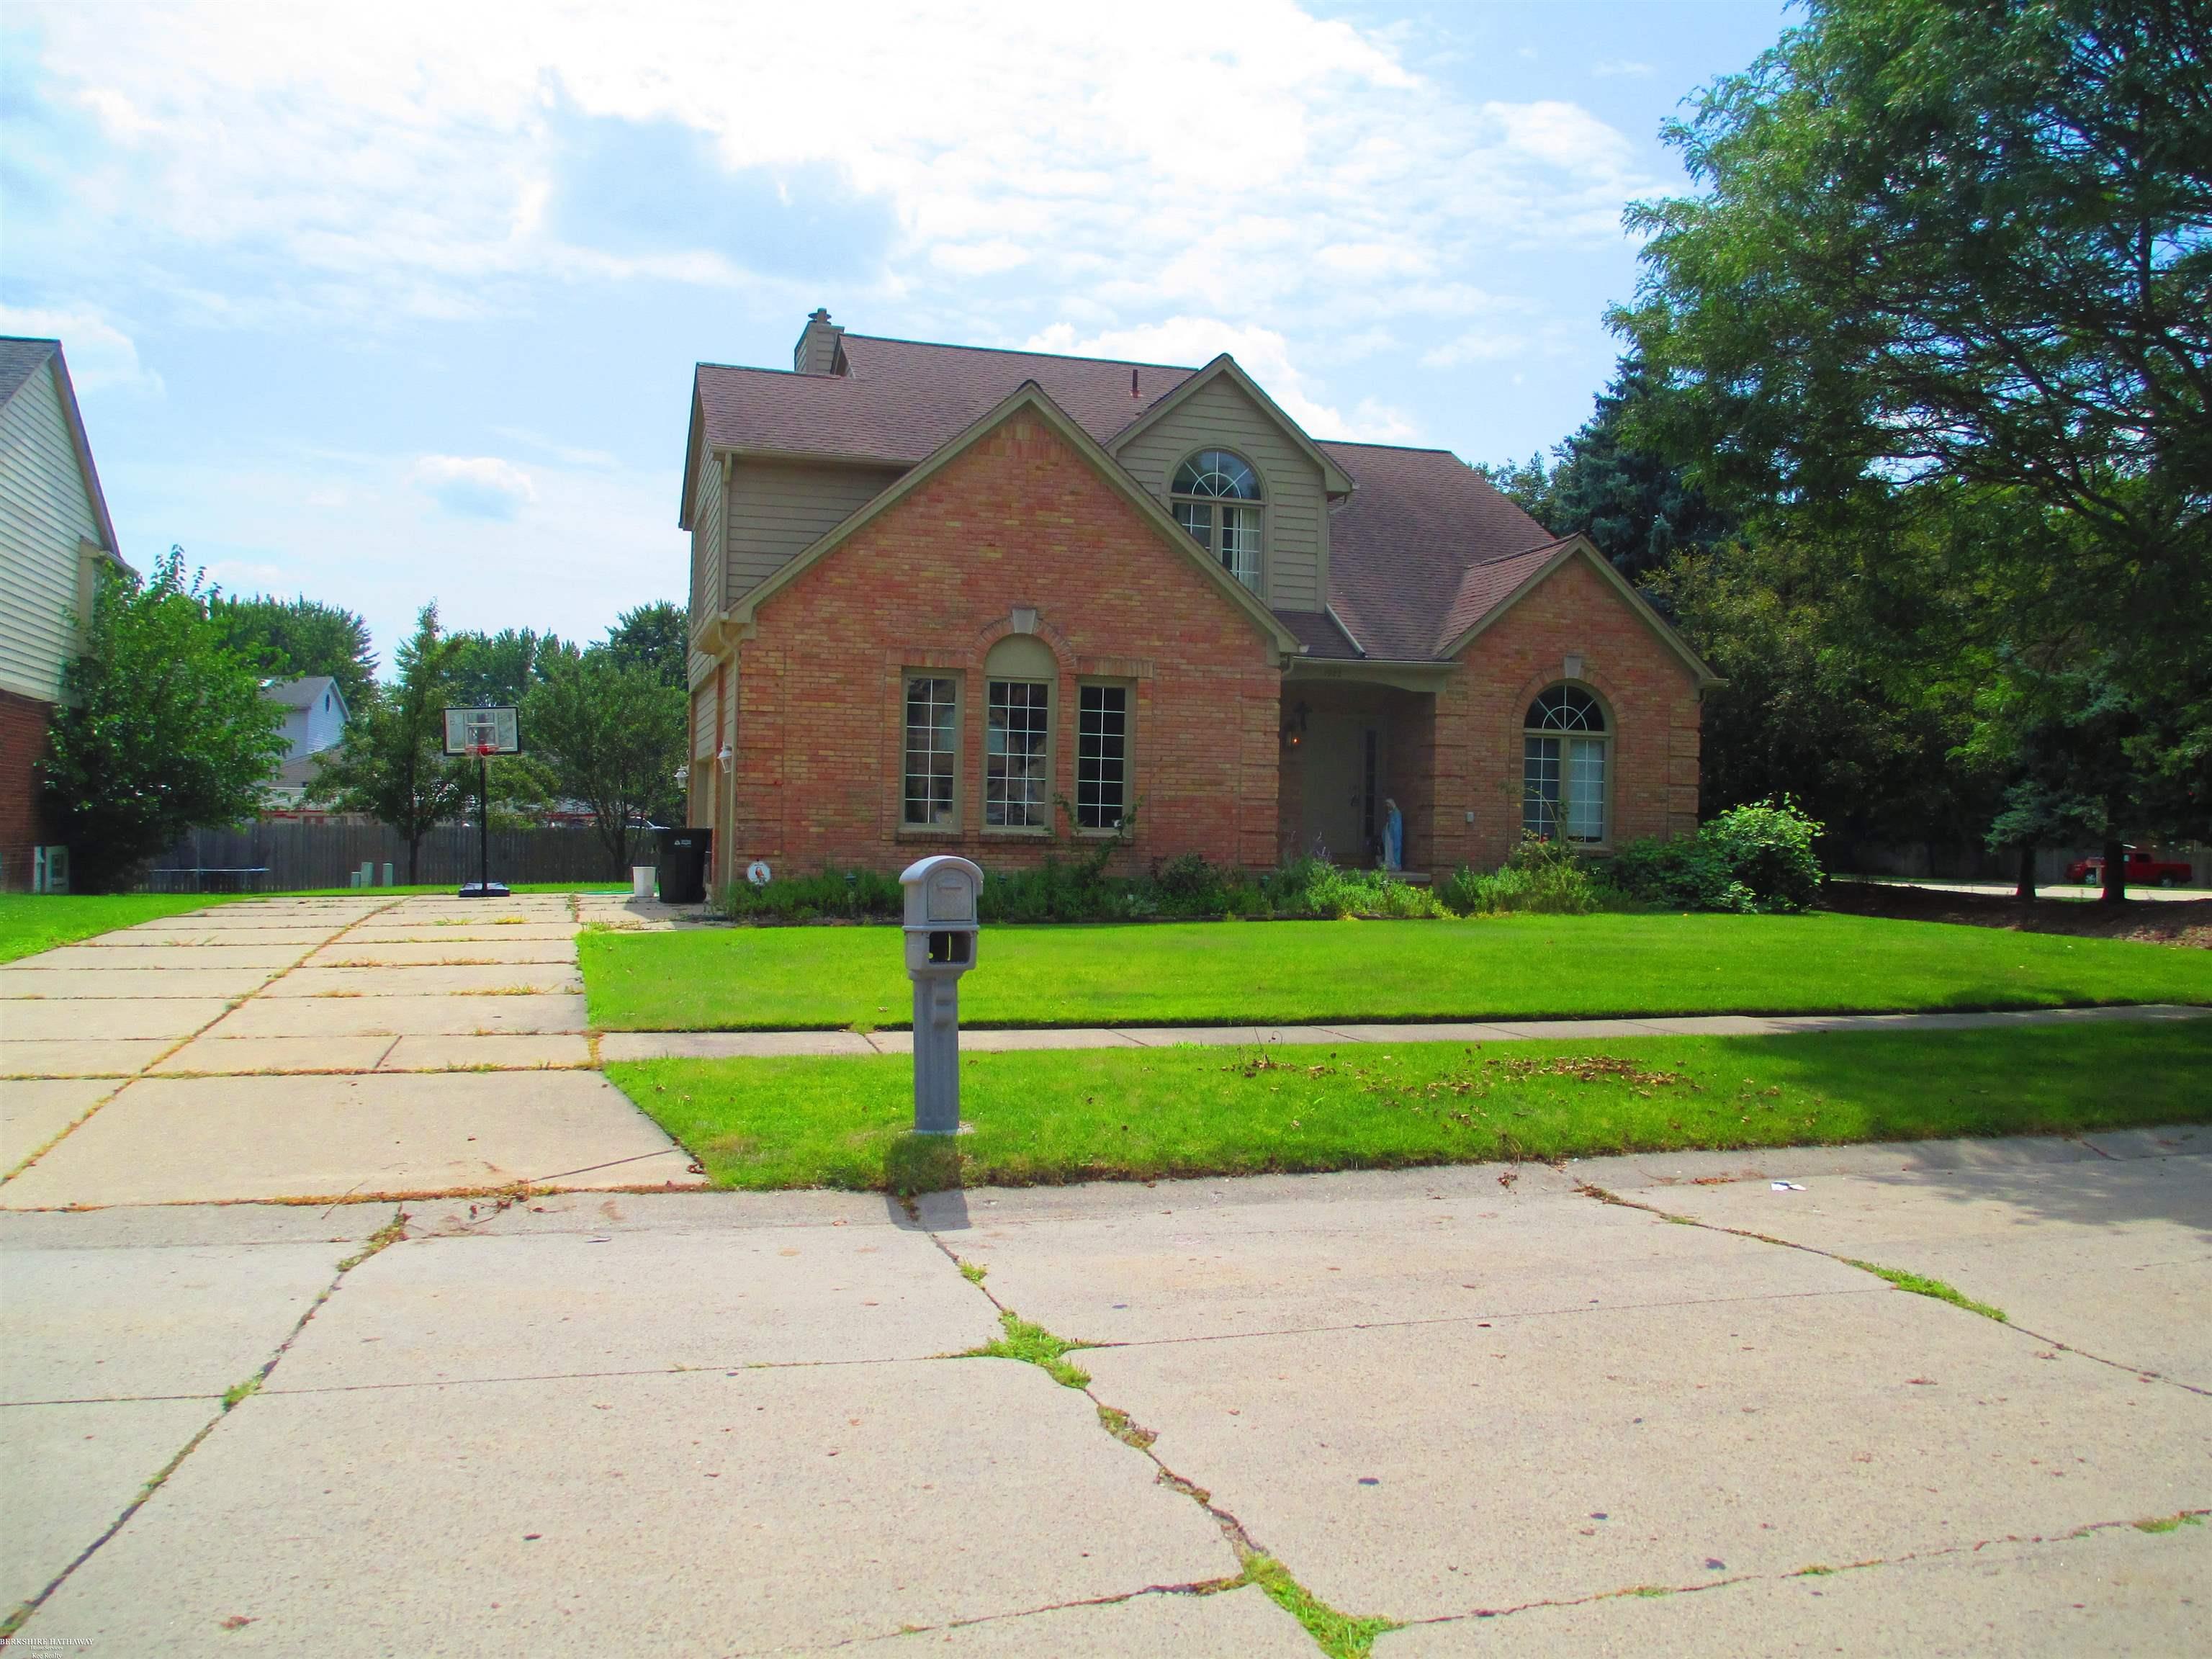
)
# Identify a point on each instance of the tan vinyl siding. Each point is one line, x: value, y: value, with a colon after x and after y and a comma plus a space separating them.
x: 707, y: 520
x: 45, y: 520
x: 779, y: 508
x: 702, y: 722
x: 1294, y: 548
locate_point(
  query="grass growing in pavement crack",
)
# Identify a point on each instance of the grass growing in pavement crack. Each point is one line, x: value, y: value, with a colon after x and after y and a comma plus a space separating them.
x: 2170, y: 1522
x: 238, y: 1392
x: 389, y: 1234
x: 1126, y: 1429
x: 1340, y: 1635
x: 1921, y: 1285
x: 973, y: 1272
x: 1033, y: 1344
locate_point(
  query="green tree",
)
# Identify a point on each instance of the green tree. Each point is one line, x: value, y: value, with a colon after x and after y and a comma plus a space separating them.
x: 392, y: 765
x: 497, y: 670
x: 614, y: 736
x: 289, y: 639
x: 161, y: 728
x: 1955, y: 261
x: 1603, y: 481
x: 657, y: 638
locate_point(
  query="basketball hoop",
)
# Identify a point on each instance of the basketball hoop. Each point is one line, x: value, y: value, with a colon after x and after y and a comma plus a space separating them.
x: 483, y: 733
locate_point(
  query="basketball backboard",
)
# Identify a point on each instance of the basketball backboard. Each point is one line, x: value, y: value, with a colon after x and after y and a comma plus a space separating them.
x: 481, y: 731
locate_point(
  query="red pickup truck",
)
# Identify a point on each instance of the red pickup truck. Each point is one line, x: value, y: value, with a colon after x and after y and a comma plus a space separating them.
x: 2143, y: 871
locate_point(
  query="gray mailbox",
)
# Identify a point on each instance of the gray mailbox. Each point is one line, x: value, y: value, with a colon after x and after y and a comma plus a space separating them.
x: 941, y: 898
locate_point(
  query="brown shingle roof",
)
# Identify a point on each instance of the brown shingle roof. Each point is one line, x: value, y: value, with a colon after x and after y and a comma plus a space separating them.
x: 903, y: 399
x: 1403, y: 550
x: 1319, y: 633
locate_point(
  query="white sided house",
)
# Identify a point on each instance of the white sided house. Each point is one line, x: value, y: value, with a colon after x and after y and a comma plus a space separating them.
x: 54, y: 535
x: 315, y: 716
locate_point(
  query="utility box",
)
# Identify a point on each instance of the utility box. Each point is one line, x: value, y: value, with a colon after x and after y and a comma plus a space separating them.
x: 942, y: 898
x: 684, y: 859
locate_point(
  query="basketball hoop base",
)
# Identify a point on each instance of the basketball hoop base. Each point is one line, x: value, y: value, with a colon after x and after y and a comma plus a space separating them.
x: 485, y: 890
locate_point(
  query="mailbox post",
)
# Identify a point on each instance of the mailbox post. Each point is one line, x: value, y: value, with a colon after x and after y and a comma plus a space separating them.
x: 941, y: 896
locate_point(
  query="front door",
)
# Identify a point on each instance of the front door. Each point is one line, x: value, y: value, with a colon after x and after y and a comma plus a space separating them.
x: 1344, y: 763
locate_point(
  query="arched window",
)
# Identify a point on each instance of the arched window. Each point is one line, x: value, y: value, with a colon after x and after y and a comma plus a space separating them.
x: 1216, y: 499
x: 1020, y: 675
x: 1563, y: 767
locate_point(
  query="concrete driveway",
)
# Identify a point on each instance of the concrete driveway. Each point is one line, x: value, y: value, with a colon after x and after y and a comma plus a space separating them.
x: 1634, y: 1406
x: 295, y: 1049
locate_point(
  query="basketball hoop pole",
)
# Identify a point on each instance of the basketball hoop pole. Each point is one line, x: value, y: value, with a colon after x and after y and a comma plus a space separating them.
x: 483, y: 818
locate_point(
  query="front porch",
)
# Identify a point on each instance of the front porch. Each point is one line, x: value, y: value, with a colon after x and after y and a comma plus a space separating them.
x: 1354, y: 739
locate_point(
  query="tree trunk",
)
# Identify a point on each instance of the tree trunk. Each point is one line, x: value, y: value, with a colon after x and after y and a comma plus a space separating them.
x: 414, y: 858
x: 2116, y: 873
x: 2026, y: 889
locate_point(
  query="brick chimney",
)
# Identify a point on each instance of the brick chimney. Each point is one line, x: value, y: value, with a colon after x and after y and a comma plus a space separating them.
x: 817, y: 352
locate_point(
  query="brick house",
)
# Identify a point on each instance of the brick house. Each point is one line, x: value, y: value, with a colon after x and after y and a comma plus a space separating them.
x: 55, y: 534
x: 945, y: 598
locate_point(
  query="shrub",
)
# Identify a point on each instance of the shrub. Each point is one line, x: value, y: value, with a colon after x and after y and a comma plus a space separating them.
x: 1752, y: 858
x: 1544, y: 877
x: 1315, y: 887
x: 847, y: 895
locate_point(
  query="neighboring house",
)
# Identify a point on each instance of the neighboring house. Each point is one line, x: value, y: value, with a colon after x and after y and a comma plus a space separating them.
x: 54, y: 535
x: 314, y: 720
x: 939, y: 591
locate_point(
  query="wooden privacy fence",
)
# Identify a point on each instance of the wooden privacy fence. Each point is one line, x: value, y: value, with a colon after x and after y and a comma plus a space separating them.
x: 276, y: 856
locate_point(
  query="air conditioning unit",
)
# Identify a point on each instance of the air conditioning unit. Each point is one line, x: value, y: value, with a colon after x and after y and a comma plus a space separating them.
x: 50, y: 869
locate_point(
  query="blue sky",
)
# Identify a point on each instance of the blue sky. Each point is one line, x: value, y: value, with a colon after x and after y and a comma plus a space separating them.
x: 398, y: 303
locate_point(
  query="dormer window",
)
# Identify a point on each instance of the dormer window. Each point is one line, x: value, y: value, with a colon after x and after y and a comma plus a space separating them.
x: 1216, y: 499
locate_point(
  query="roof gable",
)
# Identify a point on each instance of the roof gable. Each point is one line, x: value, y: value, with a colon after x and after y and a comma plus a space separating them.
x: 20, y: 361
x: 1032, y: 398
x: 1489, y: 591
x: 1334, y: 479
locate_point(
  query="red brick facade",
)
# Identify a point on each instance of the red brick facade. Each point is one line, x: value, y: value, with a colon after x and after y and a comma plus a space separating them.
x: 23, y: 722
x: 1019, y: 519
x: 1024, y: 519
x: 1652, y: 703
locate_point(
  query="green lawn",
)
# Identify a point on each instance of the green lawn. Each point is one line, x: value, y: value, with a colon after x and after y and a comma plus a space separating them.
x: 1047, y: 1116
x: 31, y: 922
x: 1301, y: 972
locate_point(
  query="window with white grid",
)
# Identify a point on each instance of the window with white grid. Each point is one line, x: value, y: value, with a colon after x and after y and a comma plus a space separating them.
x: 1016, y: 755
x: 1217, y: 499
x: 1102, y: 756
x: 933, y: 749
x: 1563, y: 766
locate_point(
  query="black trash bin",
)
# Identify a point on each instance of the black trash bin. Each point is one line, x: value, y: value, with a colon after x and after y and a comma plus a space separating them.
x: 683, y: 864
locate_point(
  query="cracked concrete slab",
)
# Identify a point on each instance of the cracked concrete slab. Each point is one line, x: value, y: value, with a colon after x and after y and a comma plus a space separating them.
x: 69, y: 1470
x: 487, y: 1306
x: 104, y: 1019
x: 1442, y: 1469
x: 761, y: 1511
x: 112, y: 1322
x: 1450, y: 1249
x: 65, y: 1058
x: 696, y: 1211
x: 499, y: 1053
x: 32, y: 1111
x: 434, y: 932
x: 348, y: 952
x: 2116, y: 1591
x: 458, y: 979
x: 228, y: 1139
x: 404, y: 1016
x: 214, y: 1055
x: 1232, y: 1624
x: 65, y: 984
x: 2113, y: 1258
x: 142, y: 955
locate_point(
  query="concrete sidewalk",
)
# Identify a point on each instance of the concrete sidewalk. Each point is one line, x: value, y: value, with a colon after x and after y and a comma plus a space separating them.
x: 1503, y: 1410
x: 731, y: 1045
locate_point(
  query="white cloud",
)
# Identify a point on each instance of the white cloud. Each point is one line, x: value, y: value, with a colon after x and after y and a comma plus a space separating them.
x: 1474, y: 346
x: 99, y: 354
x: 474, y: 486
x: 1261, y: 353
x: 1241, y: 156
